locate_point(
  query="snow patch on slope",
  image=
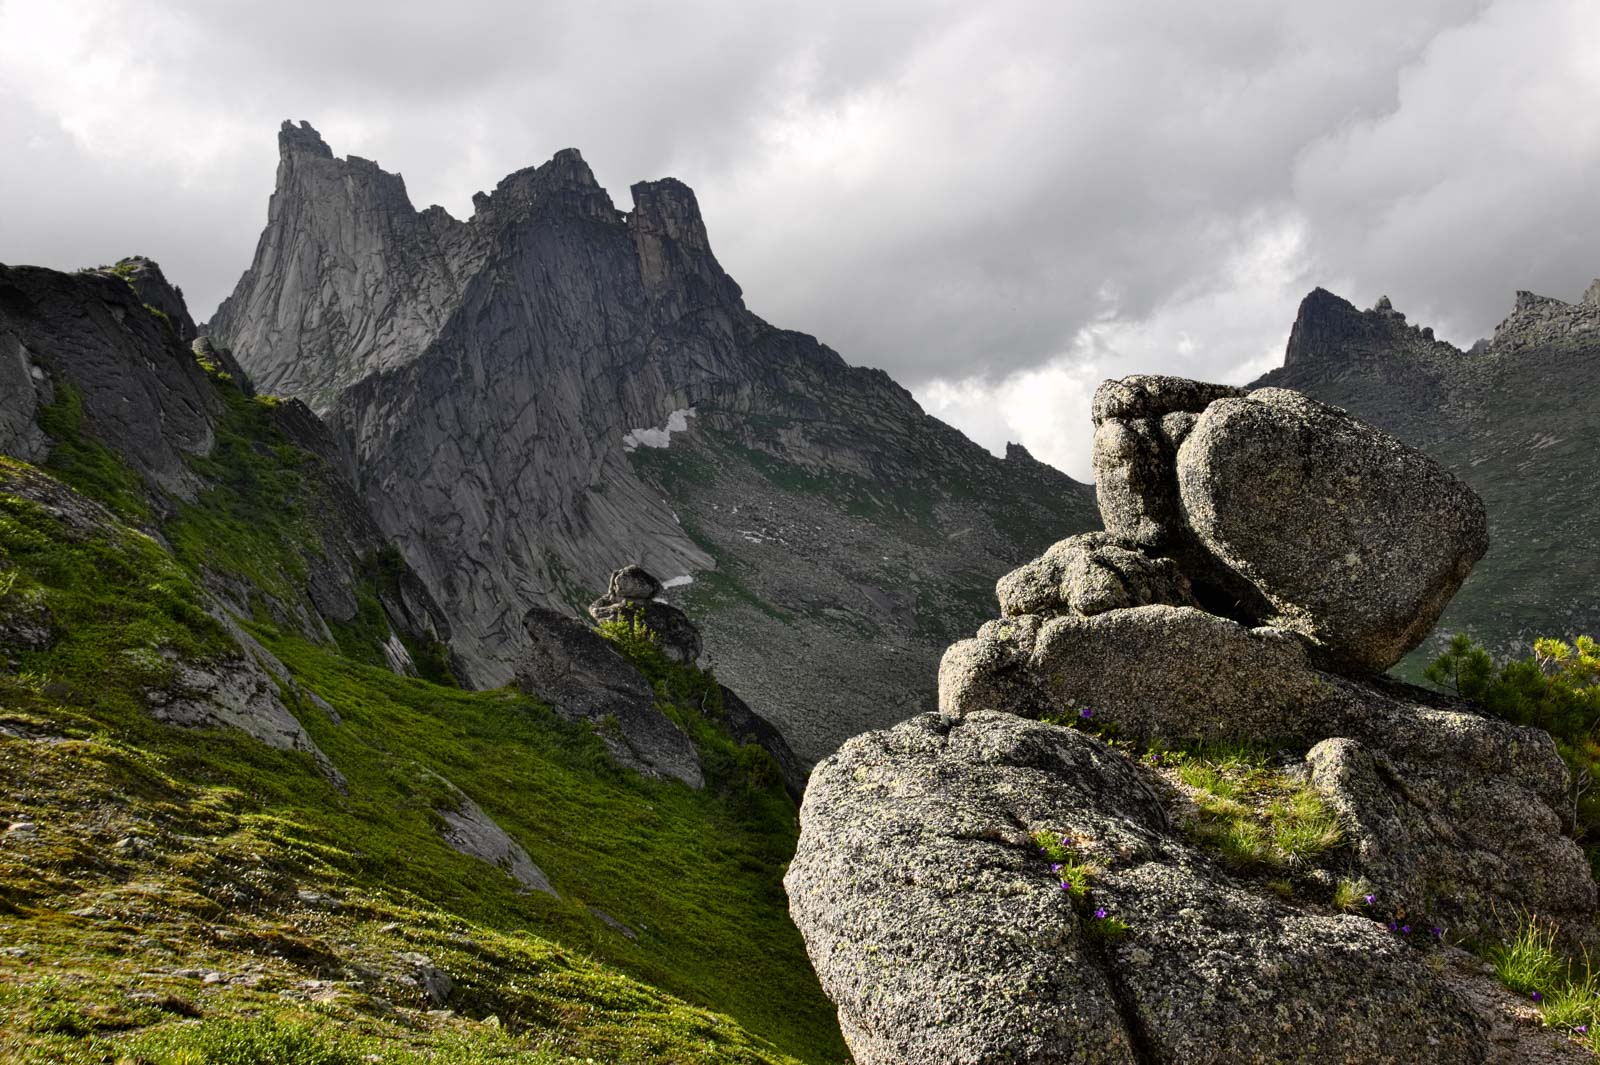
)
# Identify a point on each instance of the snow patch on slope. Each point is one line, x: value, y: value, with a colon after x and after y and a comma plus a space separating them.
x: 677, y: 422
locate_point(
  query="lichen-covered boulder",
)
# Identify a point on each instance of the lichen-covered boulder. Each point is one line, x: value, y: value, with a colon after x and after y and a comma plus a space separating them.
x: 1158, y: 673
x: 943, y: 933
x: 633, y: 582
x: 1454, y: 819
x: 1357, y: 540
x: 1140, y: 422
x: 1090, y: 574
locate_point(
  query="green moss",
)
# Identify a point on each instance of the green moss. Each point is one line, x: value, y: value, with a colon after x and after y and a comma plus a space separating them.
x: 252, y: 523
x: 85, y: 463
x: 235, y: 831
x: 1253, y: 815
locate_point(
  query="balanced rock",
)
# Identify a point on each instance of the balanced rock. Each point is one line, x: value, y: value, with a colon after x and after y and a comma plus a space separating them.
x: 1356, y: 540
x: 634, y: 583
x: 943, y: 933
x: 578, y: 672
x: 631, y: 597
x: 1090, y: 574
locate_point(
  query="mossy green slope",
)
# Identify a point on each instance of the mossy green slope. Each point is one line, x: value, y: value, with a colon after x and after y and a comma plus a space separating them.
x: 172, y: 892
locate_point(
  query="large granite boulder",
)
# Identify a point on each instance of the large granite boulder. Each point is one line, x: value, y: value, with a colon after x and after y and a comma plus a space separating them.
x: 944, y: 935
x: 1357, y: 540
x: 1451, y: 813
x: 1090, y: 574
x: 1157, y: 673
x: 578, y: 672
x: 1140, y: 422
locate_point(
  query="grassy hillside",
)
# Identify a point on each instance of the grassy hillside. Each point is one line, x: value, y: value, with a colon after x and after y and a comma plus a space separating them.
x: 192, y: 895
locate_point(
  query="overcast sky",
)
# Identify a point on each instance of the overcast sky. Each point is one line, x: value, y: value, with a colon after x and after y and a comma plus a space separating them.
x: 1001, y: 203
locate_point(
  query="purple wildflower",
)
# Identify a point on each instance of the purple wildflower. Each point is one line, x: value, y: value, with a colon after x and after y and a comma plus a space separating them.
x: 1371, y: 899
x: 1537, y: 997
x: 1582, y: 1029
x: 1437, y: 932
x: 1406, y: 929
x: 1100, y: 913
x: 1065, y: 886
x: 1393, y: 927
x: 1055, y: 867
x: 1086, y: 713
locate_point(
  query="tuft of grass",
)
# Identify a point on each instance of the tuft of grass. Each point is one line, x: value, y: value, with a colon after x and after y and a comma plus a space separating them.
x: 232, y: 1041
x: 1253, y: 815
x: 1350, y: 896
x: 1528, y: 962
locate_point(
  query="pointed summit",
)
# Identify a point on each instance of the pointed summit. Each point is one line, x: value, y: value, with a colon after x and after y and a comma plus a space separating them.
x: 674, y: 252
x: 301, y: 139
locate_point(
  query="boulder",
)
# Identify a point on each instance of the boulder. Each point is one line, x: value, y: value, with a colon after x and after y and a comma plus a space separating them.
x: 1090, y: 574
x: 1166, y: 674
x: 633, y: 582
x: 578, y: 672
x: 1453, y: 818
x: 1357, y: 541
x: 943, y: 934
x: 1451, y: 814
x: 1140, y: 422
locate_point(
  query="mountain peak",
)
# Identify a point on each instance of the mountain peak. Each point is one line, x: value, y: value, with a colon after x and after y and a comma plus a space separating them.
x: 301, y: 140
x: 674, y: 250
x: 1329, y: 328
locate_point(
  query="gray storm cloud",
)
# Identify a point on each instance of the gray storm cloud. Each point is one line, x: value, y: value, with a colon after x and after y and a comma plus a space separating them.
x: 997, y: 203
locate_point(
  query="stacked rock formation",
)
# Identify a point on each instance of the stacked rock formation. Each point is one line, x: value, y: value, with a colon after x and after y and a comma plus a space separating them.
x: 635, y: 594
x: 1264, y: 555
x: 583, y: 677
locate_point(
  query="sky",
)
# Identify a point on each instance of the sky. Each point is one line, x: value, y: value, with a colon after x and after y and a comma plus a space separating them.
x: 1001, y: 204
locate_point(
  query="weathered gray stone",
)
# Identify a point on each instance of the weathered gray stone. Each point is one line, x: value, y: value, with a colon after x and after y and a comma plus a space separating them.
x: 579, y: 673
x: 1356, y: 540
x: 1158, y: 673
x: 469, y: 830
x: 1456, y: 819
x: 1454, y: 815
x: 1155, y: 396
x: 633, y: 582
x: 1090, y: 574
x: 940, y: 931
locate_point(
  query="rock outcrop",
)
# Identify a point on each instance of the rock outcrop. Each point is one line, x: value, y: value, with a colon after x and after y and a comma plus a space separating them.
x: 946, y: 930
x: 529, y: 395
x: 578, y: 672
x: 584, y: 677
x: 944, y: 935
x: 632, y: 598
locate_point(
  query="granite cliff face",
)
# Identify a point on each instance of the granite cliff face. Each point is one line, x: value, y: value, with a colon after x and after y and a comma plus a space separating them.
x: 555, y: 385
x: 1513, y: 417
